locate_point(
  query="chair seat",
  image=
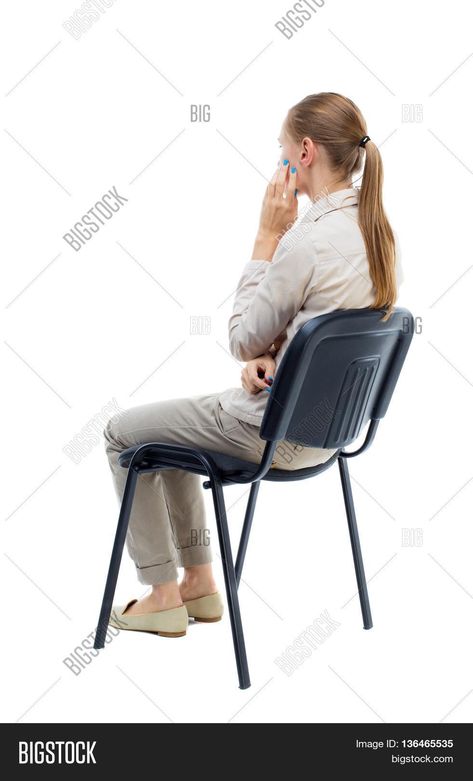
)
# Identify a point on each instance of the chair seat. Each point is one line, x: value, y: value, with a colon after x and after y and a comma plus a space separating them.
x: 225, y: 465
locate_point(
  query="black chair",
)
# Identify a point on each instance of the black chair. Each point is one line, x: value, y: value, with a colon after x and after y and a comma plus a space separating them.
x: 338, y: 373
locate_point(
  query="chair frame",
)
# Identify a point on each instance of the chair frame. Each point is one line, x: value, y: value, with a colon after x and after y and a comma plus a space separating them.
x: 154, y: 456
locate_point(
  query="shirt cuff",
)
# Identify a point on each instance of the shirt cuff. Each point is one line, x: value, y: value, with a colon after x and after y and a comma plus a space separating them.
x: 253, y: 272
x: 255, y: 266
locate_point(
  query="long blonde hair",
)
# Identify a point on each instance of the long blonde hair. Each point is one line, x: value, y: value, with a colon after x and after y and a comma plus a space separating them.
x: 337, y: 123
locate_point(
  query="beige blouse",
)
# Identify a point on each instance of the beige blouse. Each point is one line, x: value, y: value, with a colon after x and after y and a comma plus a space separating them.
x: 320, y: 265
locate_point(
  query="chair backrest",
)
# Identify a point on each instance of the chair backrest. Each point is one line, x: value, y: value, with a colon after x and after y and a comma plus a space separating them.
x: 338, y: 372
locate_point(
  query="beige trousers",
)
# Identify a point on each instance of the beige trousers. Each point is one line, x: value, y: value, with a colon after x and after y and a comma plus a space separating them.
x: 167, y: 525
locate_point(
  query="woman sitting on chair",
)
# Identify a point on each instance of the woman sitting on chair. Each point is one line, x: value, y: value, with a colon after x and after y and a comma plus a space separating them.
x: 341, y: 254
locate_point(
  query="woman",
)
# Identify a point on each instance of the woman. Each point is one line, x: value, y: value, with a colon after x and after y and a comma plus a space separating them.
x: 340, y: 255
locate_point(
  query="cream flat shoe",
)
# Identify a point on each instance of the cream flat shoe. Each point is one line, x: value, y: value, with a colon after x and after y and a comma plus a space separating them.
x: 206, y: 609
x: 168, y: 623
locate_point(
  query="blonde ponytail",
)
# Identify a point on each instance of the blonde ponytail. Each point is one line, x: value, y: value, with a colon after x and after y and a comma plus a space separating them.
x: 336, y: 122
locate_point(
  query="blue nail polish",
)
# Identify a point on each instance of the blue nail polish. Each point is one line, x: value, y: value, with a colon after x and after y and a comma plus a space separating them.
x: 270, y: 378
x: 268, y: 389
x: 286, y: 162
x: 295, y: 192
x: 293, y: 169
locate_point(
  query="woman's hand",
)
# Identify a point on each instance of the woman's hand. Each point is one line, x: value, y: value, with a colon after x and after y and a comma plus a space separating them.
x: 250, y: 378
x: 278, y: 212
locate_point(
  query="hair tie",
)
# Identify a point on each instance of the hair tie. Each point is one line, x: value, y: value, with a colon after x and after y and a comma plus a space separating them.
x: 364, y: 140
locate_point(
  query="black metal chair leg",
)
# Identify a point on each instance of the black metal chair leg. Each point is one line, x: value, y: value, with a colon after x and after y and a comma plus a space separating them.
x: 245, y: 532
x: 230, y: 584
x: 355, y: 543
x: 120, y: 536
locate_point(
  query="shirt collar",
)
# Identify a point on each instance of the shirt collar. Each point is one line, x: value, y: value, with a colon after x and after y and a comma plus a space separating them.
x: 325, y: 202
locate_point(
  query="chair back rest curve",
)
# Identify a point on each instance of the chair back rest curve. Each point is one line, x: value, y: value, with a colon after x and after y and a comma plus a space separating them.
x: 338, y: 372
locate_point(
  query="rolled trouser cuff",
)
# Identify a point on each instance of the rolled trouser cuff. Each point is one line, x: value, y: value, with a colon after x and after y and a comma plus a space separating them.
x: 193, y: 555
x: 155, y: 574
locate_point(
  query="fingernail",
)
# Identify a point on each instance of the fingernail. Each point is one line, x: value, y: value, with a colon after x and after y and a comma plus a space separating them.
x: 268, y: 389
x: 293, y: 169
x: 295, y: 192
x: 286, y: 162
x: 270, y: 377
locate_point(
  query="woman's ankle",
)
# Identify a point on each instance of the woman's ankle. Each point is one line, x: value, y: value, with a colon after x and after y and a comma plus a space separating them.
x: 198, y: 581
x: 165, y: 595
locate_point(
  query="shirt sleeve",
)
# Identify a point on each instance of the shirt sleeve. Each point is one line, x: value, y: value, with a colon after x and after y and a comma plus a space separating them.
x: 268, y: 296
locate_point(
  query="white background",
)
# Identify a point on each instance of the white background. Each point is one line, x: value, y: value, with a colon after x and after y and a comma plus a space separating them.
x: 84, y: 328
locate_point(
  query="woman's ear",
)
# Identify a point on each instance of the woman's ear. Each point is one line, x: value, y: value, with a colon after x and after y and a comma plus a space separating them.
x: 308, y: 151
